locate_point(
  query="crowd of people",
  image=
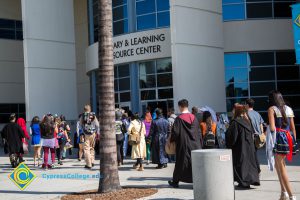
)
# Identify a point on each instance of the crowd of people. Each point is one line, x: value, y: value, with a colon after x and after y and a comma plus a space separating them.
x: 148, y: 137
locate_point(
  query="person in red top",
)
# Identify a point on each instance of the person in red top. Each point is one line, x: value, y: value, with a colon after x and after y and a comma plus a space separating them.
x: 22, y: 123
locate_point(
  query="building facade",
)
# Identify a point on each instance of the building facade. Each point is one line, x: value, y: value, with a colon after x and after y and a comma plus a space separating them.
x: 212, y: 52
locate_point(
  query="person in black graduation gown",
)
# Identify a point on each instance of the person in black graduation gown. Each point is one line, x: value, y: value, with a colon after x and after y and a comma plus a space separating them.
x: 186, y: 134
x: 239, y: 138
x: 13, y: 135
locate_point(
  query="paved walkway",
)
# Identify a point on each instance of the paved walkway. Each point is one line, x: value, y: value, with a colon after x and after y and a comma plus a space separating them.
x: 42, y: 188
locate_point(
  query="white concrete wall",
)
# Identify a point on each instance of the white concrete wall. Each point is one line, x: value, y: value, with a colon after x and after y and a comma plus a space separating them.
x: 49, y: 57
x: 258, y: 35
x: 81, y: 43
x: 12, y: 87
x: 197, y: 52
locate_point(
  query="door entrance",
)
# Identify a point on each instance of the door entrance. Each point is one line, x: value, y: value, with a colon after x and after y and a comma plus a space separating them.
x: 152, y: 105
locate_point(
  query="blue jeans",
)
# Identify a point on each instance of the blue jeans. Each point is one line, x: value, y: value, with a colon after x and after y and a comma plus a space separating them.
x: 125, y: 145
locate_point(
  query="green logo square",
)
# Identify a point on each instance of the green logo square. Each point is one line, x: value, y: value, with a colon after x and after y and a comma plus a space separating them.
x: 22, y: 176
x: 297, y: 20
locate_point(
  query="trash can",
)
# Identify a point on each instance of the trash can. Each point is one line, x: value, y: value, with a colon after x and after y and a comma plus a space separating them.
x: 213, y: 174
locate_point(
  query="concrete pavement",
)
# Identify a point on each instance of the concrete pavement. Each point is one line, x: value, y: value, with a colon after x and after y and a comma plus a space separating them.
x: 41, y: 188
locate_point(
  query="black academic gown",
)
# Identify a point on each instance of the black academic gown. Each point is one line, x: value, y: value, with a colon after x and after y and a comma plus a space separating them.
x: 187, y: 136
x: 239, y: 138
x: 13, y: 134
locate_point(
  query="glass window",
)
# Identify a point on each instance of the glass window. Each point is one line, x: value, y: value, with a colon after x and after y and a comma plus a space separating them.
x: 19, y: 25
x: 163, y: 19
x: 164, y: 65
x: 233, y: 12
x: 147, y: 81
x: 148, y: 95
x: 19, y: 35
x: 7, y: 23
x: 261, y: 104
x: 116, y: 97
x: 125, y: 97
x: 288, y: 73
x: 120, y: 27
x: 123, y: 71
x: 289, y: 88
x: 7, y: 34
x: 165, y: 93
x: 120, y: 13
x: 236, y: 75
x: 285, y: 58
x: 282, y: 9
x: 147, y: 67
x: 146, y: 22
x: 145, y: 6
x: 118, y: 2
x: 164, y: 80
x: 261, y: 59
x: 162, y: 5
x: 258, y: 1
x: 232, y: 1
x: 259, y: 10
x: 124, y: 84
x: 262, y: 73
x: 293, y: 101
x: 261, y: 89
x: 237, y: 90
x: 230, y: 102
x: 116, y: 85
x: 236, y: 60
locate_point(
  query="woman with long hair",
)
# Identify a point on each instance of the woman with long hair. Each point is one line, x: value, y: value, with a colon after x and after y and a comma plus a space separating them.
x: 239, y: 138
x: 281, y: 119
x: 48, y: 140
x: 207, y: 126
x: 147, y: 122
x: 36, y: 139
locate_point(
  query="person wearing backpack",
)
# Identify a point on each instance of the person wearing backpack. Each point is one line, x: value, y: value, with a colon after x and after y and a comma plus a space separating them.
x: 208, y: 130
x: 119, y: 129
x: 90, y: 127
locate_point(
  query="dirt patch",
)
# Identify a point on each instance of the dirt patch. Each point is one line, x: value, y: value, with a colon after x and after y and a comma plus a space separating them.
x: 123, y: 194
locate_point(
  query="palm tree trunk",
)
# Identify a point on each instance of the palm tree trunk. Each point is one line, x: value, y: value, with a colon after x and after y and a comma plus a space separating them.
x: 109, y: 180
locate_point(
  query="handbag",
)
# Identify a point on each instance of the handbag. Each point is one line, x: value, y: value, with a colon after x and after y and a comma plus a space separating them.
x: 259, y: 140
x: 25, y: 148
x: 134, y: 136
x: 170, y: 147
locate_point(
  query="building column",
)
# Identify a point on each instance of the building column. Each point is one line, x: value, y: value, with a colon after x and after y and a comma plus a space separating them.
x: 198, y: 52
x: 49, y: 58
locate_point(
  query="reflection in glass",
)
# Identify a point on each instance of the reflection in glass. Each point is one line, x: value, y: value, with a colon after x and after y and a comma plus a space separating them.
x: 162, y: 5
x: 261, y: 58
x: 120, y: 27
x: 262, y: 74
x: 125, y: 97
x: 164, y: 65
x: 163, y: 19
x: 233, y: 60
x: 230, y: 103
x: 118, y: 2
x: 259, y: 10
x: 148, y: 95
x: 236, y: 75
x: 147, y: 81
x: 164, y: 80
x: 145, y: 6
x: 261, y: 89
x: 123, y: 71
x: 233, y: 12
x: 124, y: 84
x: 146, y: 22
x: 237, y: 90
x: 288, y: 73
x: 165, y: 93
x: 147, y: 68
x: 120, y: 13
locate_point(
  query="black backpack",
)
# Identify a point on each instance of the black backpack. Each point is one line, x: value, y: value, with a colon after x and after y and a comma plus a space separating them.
x: 209, y: 140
